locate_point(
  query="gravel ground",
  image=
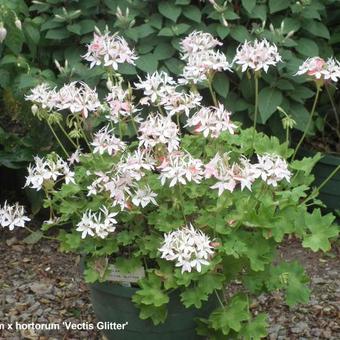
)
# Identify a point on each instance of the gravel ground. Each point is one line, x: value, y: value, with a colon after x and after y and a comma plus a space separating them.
x: 40, y: 285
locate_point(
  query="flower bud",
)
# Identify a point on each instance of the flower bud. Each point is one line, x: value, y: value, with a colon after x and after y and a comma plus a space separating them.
x: 3, y: 33
x: 34, y: 109
x: 18, y: 24
x: 109, y: 84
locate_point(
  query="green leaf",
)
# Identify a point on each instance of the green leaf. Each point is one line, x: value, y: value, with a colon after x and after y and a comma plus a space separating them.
x: 74, y: 28
x: 269, y: 100
x: 316, y: 28
x: 259, y: 12
x: 240, y: 34
x: 166, y: 32
x: 4, y: 78
x: 230, y: 317
x: 182, y: 2
x: 291, y: 277
x: 156, y: 21
x: 158, y: 315
x: 300, y: 115
x: 174, y: 65
x: 169, y: 10
x: 193, y: 297
x: 307, y: 47
x: 180, y: 28
x: 147, y: 63
x: 127, y: 265
x: 14, y: 39
x: 306, y: 164
x: 249, y: 5
x: 221, y: 84
x: 320, y: 231
x: 144, y: 30
x: 91, y: 275
x: 164, y: 51
x: 34, y: 237
x: 57, y: 34
x: 255, y: 329
x: 192, y: 12
x: 222, y: 31
x: 32, y: 32
x: 87, y: 26
x: 150, y: 292
x: 278, y: 5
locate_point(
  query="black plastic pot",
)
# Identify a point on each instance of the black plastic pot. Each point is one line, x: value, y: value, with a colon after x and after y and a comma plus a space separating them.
x: 330, y: 193
x: 112, y: 303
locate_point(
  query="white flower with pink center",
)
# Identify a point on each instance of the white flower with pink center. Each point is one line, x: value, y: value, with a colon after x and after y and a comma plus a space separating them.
x: 181, y: 102
x: 318, y: 68
x: 105, y: 141
x: 156, y: 87
x: 120, y: 104
x: 180, y: 167
x: 158, y: 130
x: 198, y: 41
x: 257, y: 55
x: 77, y: 97
x: 109, y: 50
x: 212, y: 121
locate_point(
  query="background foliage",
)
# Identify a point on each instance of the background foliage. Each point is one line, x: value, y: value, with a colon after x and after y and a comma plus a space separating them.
x: 58, y: 30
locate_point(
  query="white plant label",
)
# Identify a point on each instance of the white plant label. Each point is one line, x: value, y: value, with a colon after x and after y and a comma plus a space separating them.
x: 117, y: 276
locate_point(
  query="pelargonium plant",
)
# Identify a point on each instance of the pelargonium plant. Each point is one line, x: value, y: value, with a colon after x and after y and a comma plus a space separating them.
x: 194, y: 199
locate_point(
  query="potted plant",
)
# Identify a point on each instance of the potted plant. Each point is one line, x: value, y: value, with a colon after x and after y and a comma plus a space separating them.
x: 167, y: 219
x: 324, y: 74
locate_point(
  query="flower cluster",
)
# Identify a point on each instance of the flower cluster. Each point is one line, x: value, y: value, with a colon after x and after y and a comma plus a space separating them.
x: 119, y: 103
x: 77, y: 97
x: 201, y: 58
x: 97, y: 223
x: 270, y: 168
x: 212, y: 121
x: 273, y: 169
x: 318, y: 68
x: 157, y: 129
x: 109, y: 50
x: 123, y: 179
x: 257, y: 55
x: 48, y: 170
x: 181, y: 102
x: 105, y: 141
x: 12, y: 216
x: 180, y: 167
x: 156, y: 87
x: 190, y: 248
x: 43, y: 95
x: 144, y: 196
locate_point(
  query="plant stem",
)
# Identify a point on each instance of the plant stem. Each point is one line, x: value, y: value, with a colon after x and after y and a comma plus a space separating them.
x: 43, y: 236
x: 67, y: 136
x: 178, y: 121
x: 287, y: 138
x: 318, y: 89
x: 134, y: 126
x: 333, y: 173
x: 256, y: 105
x: 335, y: 112
x: 219, y: 299
x: 180, y: 196
x: 83, y: 133
x: 213, y: 95
x: 58, y: 140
